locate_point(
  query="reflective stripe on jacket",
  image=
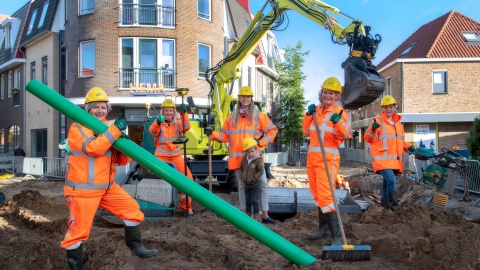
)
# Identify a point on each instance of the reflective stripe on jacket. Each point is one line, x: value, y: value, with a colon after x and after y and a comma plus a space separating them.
x: 91, y: 160
x: 164, y: 135
x: 234, y: 135
x: 387, y: 143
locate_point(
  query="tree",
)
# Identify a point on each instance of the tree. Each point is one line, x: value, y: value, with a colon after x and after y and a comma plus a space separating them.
x: 292, y: 101
x: 473, y: 141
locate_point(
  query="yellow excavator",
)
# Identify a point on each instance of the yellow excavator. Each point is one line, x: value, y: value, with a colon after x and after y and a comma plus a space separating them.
x: 363, y: 84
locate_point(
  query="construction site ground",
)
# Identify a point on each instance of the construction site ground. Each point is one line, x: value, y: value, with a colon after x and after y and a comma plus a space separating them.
x: 420, y: 235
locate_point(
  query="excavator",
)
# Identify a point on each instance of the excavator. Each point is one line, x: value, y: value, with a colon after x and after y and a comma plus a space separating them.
x: 362, y: 84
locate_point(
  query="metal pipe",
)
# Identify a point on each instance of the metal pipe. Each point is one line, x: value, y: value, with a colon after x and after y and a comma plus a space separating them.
x: 175, y: 178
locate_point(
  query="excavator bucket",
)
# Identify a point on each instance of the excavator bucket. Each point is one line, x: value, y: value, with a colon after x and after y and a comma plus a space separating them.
x: 363, y: 84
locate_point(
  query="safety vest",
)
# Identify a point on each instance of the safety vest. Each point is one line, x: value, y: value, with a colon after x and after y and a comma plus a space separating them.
x: 91, y: 160
x: 387, y: 143
x: 234, y: 135
x: 164, y: 135
x: 332, y: 134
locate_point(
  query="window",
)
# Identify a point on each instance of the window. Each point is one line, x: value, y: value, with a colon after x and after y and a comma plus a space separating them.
x: 2, y: 140
x: 87, y: 59
x: 44, y: 71
x: 148, y: 12
x: 147, y: 61
x: 439, y: 82
x: 389, y: 86
x: 33, y: 70
x: 203, y: 60
x: 204, y: 9
x: 2, y: 88
x: 39, y: 142
x: 10, y: 84
x: 249, y: 79
x: 408, y: 49
x: 471, y: 37
x: 87, y: 6
x: 44, y: 12
x: 32, y: 22
x: 16, y: 84
x: 13, y: 137
x: 8, y: 36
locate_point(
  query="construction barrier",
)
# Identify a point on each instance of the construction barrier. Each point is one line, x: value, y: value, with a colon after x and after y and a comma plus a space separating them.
x: 8, y: 163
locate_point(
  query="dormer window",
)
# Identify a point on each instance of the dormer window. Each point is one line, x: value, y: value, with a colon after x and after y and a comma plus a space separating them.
x: 408, y: 49
x: 32, y: 22
x: 471, y: 37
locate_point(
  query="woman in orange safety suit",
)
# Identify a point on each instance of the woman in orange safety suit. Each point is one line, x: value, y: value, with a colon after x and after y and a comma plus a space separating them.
x: 165, y: 129
x: 387, y: 144
x: 334, y: 128
x: 89, y: 182
x: 246, y: 121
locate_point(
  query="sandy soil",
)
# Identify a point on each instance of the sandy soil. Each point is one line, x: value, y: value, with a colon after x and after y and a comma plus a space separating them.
x: 420, y: 235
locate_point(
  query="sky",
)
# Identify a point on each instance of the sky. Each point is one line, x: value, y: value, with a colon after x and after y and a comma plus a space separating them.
x: 393, y: 20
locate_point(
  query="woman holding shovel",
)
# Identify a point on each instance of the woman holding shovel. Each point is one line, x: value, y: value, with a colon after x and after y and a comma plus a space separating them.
x: 330, y: 124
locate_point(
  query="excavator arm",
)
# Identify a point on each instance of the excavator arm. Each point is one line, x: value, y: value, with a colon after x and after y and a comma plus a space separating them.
x: 363, y: 84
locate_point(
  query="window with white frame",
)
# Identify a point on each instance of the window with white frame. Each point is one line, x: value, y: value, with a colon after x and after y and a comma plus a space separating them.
x: 86, y: 6
x: 44, y: 13
x: 147, y: 61
x: 45, y: 70
x: 16, y: 84
x: 32, y: 22
x: 2, y: 87
x: 439, y: 79
x: 33, y: 70
x: 8, y: 36
x: 87, y: 59
x: 159, y: 13
x: 10, y: 84
x: 204, y: 9
x: 204, y: 54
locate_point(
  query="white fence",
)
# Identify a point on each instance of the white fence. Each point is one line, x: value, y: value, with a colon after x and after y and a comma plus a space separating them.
x: 45, y: 167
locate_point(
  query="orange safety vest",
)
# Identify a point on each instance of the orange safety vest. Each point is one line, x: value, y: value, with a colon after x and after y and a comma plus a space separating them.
x: 164, y: 134
x: 234, y: 135
x: 387, y: 143
x: 91, y: 160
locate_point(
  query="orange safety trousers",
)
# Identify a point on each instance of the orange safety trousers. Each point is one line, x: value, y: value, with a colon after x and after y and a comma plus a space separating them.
x: 318, y: 180
x: 179, y: 162
x: 83, y: 209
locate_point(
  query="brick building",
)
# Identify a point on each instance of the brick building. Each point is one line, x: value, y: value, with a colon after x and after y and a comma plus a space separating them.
x: 434, y: 76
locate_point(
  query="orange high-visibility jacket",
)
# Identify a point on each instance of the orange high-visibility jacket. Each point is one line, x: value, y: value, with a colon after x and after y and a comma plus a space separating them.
x: 91, y: 160
x: 164, y: 134
x: 234, y: 135
x: 387, y: 143
x: 332, y: 134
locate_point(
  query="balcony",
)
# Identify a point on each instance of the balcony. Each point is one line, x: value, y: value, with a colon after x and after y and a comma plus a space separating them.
x: 136, y: 76
x: 147, y: 15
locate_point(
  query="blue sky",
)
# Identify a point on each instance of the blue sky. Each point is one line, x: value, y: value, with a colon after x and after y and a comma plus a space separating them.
x: 395, y: 21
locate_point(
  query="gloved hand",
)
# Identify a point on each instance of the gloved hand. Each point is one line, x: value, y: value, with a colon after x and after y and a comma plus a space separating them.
x: 411, y: 149
x: 124, y: 136
x: 208, y: 130
x: 375, y: 125
x: 258, y: 142
x: 120, y: 123
x: 184, y: 107
x: 160, y: 119
x: 311, y: 109
x: 336, y: 117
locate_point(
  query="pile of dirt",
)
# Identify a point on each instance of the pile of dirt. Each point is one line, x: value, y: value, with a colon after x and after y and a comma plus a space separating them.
x: 418, y: 236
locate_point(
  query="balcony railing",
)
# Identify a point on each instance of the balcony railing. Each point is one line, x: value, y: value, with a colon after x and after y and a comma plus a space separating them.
x: 136, y: 76
x: 147, y: 15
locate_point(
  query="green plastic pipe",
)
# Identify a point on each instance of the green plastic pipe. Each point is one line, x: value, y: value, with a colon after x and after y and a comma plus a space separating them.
x: 175, y: 178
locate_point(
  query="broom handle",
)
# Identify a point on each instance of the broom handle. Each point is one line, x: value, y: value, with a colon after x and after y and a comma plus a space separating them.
x: 209, y: 164
x: 330, y: 181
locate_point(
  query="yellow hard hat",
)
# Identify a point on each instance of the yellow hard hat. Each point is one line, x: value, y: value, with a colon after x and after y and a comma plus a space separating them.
x: 333, y: 84
x: 387, y: 100
x: 168, y: 103
x: 96, y: 94
x: 245, y: 91
x: 248, y: 143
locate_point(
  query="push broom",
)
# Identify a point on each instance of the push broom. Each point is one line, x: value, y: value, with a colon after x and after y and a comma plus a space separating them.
x: 345, y: 252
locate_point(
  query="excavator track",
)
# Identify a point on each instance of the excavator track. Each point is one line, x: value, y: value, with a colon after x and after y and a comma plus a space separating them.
x: 363, y: 84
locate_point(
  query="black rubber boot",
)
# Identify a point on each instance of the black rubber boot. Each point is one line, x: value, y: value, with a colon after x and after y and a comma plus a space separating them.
x: 393, y: 200
x: 322, y: 227
x: 75, y: 258
x: 384, y: 203
x: 332, y: 222
x: 133, y: 239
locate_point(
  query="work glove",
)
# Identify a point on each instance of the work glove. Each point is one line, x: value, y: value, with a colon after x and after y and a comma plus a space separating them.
x: 160, y: 119
x: 208, y: 130
x: 336, y: 117
x: 184, y: 107
x: 311, y: 109
x: 120, y: 123
x: 258, y: 142
x: 375, y: 126
x: 124, y: 136
x: 411, y: 149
